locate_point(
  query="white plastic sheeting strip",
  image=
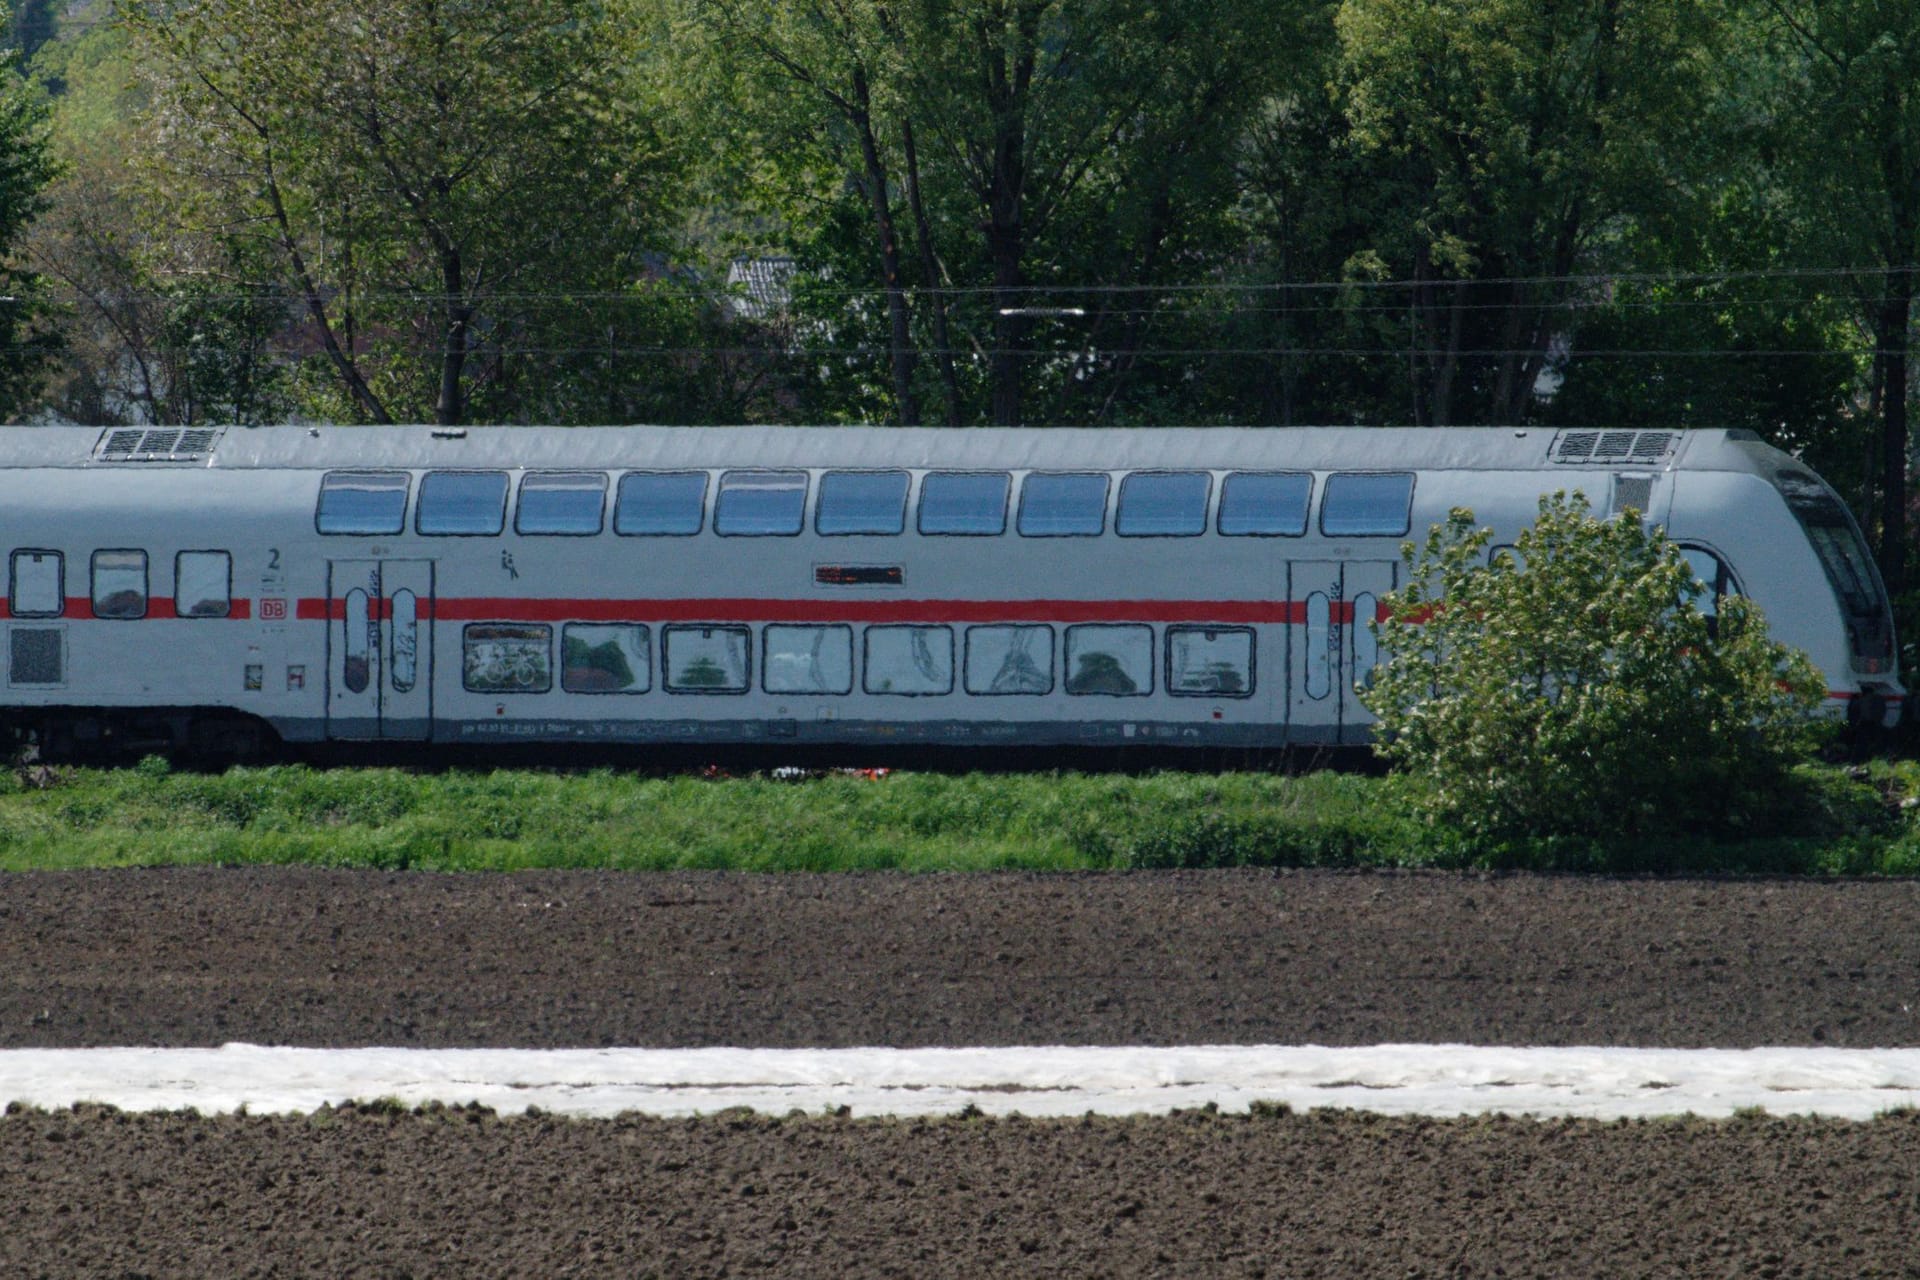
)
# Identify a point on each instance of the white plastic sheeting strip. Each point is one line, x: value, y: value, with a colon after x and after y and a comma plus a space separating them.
x: 1435, y: 1080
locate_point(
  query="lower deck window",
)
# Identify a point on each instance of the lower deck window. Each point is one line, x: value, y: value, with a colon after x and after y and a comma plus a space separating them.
x: 909, y: 660
x: 203, y: 584
x: 807, y: 659
x: 1009, y: 660
x: 119, y: 584
x: 1211, y: 662
x: 1110, y: 660
x: 706, y: 659
x: 38, y: 588
x: 507, y: 657
x: 605, y: 659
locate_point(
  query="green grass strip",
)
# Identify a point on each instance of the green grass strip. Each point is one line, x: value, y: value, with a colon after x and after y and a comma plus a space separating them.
x: 1834, y: 821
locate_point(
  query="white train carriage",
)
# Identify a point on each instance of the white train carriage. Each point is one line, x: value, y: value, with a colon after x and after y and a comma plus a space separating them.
x: 860, y: 587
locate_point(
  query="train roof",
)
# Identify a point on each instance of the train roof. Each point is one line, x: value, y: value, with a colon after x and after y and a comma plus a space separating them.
x: 972, y: 448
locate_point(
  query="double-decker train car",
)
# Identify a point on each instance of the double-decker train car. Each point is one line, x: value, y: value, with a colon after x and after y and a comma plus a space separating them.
x: 217, y: 590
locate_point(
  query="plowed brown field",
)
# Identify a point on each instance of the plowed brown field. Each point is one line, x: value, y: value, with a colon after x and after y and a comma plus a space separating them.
x: 342, y: 958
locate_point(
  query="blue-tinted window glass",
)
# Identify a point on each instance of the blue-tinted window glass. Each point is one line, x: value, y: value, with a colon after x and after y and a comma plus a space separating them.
x: 964, y: 502
x: 1265, y: 503
x: 561, y: 502
x: 1364, y: 503
x: 1063, y: 506
x: 1167, y: 504
x: 362, y: 502
x: 760, y: 502
x: 660, y: 503
x: 462, y: 502
x: 862, y: 502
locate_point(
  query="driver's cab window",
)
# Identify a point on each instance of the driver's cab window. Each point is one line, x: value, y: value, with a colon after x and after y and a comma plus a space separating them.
x: 1713, y: 581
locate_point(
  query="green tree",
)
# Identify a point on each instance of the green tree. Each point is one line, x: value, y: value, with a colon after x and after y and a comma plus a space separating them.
x: 162, y: 325
x: 1052, y: 166
x: 1848, y: 143
x: 28, y: 338
x: 445, y: 187
x: 1572, y: 686
x: 1513, y: 137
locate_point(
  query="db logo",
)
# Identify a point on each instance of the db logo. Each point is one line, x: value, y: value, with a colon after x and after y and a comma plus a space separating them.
x: 273, y: 610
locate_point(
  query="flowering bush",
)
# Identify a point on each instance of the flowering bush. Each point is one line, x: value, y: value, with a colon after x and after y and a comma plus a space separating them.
x: 1573, y: 685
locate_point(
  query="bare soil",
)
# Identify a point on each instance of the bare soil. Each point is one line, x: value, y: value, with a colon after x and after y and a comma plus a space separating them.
x: 583, y: 959
x: 346, y: 958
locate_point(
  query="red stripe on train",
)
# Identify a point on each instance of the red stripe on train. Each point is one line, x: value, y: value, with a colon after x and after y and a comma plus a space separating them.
x: 80, y: 609
x: 519, y: 609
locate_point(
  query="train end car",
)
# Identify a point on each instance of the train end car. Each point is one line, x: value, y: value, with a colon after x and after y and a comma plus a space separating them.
x: 875, y: 591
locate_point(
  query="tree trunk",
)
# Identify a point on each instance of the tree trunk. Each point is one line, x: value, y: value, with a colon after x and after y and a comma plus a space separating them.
x: 1891, y: 337
x: 451, y: 408
x: 930, y: 272
x: 900, y: 344
x: 1005, y: 247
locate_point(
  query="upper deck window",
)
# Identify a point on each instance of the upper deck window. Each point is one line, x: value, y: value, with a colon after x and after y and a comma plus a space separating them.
x: 563, y: 503
x: 1367, y: 504
x: 462, y: 503
x: 362, y: 502
x: 1063, y: 505
x: 1265, y: 504
x: 964, y: 502
x: 861, y: 502
x: 667, y: 504
x: 760, y: 503
x: 1164, y: 504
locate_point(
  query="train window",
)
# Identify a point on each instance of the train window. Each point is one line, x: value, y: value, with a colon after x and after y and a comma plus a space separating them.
x: 807, y: 659
x: 39, y: 588
x: 363, y: 502
x: 861, y: 502
x: 1714, y: 578
x: 356, y: 662
x: 405, y: 668
x: 1366, y: 645
x: 760, y: 503
x: 1319, y: 645
x: 562, y: 503
x: 1004, y: 660
x: 119, y: 584
x: 706, y: 659
x: 964, y: 502
x: 1115, y: 660
x: 909, y: 660
x: 1057, y: 505
x: 202, y: 584
x: 1164, y: 504
x: 507, y: 657
x: 1265, y: 504
x: 1367, y: 504
x: 606, y: 659
x: 462, y: 504
x: 1210, y: 662
x: 663, y: 504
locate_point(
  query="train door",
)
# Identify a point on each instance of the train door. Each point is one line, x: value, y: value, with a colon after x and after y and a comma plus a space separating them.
x: 1334, y: 650
x: 380, y: 650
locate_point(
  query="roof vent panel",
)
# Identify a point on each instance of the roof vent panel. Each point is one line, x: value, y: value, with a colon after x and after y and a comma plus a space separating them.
x: 157, y: 444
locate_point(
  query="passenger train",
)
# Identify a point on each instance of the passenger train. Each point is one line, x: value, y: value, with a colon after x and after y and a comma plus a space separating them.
x: 222, y: 590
